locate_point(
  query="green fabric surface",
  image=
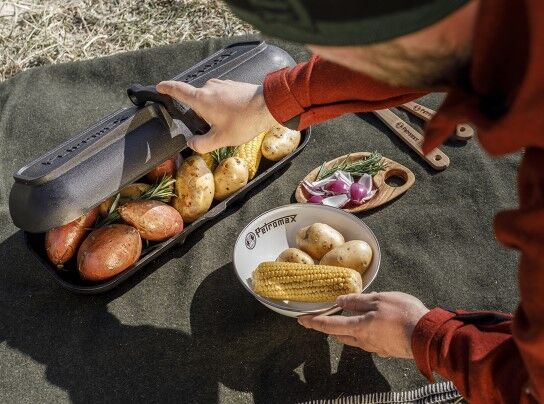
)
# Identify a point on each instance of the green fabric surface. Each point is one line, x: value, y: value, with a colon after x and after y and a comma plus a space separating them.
x: 184, y: 329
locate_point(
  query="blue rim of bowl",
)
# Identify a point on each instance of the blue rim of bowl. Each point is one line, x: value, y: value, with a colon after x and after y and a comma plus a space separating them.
x: 271, y: 302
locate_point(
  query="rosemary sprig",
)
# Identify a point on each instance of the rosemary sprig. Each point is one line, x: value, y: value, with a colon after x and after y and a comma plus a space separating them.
x: 161, y: 191
x: 112, y: 216
x: 372, y: 165
x: 223, y: 153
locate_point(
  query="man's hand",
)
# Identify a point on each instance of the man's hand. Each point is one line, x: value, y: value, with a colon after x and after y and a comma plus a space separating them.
x: 235, y: 111
x: 384, y: 322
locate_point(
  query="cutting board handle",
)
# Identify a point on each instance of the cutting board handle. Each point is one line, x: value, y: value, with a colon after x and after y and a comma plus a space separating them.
x: 394, y: 170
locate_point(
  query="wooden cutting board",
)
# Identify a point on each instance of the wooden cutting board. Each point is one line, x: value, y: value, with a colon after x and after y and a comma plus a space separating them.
x: 384, y: 193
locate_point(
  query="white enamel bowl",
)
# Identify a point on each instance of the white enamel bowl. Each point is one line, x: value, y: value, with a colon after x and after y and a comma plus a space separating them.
x: 274, y: 231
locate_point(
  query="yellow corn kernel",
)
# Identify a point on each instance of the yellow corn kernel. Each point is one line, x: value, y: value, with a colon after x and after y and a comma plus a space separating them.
x: 251, y: 153
x: 208, y: 159
x: 303, y: 282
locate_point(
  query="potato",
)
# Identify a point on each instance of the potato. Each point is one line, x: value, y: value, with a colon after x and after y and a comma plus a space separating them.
x: 61, y: 243
x: 155, y: 220
x: 208, y: 159
x: 318, y: 239
x: 168, y: 167
x: 230, y: 175
x: 354, y: 254
x: 279, y: 142
x: 128, y: 193
x: 295, y: 255
x: 194, y: 189
x: 108, y: 251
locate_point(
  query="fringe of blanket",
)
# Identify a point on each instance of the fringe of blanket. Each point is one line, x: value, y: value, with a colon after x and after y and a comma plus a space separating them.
x: 444, y: 392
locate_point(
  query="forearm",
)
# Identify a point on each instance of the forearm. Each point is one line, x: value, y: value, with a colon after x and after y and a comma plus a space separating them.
x: 503, y: 362
x: 474, y: 350
x: 523, y: 229
x: 319, y: 90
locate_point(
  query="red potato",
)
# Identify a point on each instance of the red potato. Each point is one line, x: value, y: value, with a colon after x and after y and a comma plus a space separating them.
x: 166, y: 168
x: 61, y: 243
x: 108, y: 251
x: 155, y: 220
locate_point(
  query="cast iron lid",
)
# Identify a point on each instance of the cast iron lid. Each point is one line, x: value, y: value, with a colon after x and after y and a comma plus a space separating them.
x: 76, y: 176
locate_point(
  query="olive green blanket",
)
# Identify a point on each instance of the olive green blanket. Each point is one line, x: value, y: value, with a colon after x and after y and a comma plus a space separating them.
x: 184, y: 329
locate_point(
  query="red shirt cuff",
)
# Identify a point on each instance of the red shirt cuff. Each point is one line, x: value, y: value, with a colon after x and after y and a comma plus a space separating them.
x: 278, y: 97
x: 422, y: 337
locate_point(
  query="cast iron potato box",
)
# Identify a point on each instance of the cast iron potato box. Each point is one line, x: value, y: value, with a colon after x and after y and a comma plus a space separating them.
x: 78, y: 175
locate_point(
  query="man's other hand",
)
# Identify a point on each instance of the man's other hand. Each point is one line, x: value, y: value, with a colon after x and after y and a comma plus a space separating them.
x: 235, y: 111
x: 383, y: 322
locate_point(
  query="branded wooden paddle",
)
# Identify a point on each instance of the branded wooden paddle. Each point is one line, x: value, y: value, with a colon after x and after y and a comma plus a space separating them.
x: 384, y: 191
x: 436, y: 158
x: 463, y: 131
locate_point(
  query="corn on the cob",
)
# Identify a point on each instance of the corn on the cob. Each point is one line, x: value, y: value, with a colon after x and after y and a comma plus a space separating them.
x: 251, y: 153
x: 209, y: 160
x: 304, y: 283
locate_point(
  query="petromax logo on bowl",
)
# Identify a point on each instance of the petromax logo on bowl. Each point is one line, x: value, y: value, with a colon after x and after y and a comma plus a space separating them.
x: 252, y: 236
x: 251, y: 240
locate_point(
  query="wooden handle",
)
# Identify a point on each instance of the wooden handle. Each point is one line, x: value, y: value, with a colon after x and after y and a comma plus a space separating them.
x: 394, y: 170
x: 463, y: 131
x: 436, y: 158
x: 419, y: 110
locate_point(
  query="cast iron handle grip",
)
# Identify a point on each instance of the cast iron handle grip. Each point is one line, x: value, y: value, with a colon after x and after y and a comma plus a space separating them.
x: 139, y: 95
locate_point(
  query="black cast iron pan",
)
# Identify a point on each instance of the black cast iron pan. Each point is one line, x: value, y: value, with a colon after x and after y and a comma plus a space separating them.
x: 76, y: 176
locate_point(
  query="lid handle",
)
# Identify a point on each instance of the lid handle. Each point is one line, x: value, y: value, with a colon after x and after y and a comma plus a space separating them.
x: 140, y: 94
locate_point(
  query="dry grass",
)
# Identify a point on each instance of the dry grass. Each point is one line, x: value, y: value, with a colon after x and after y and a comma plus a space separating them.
x: 38, y: 32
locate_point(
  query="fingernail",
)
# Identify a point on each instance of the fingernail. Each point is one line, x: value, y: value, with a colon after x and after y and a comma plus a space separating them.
x: 301, y: 321
x: 163, y: 85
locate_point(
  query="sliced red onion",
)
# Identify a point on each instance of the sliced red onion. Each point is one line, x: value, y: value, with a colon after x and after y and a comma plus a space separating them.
x: 312, y: 190
x: 366, y: 198
x: 369, y: 195
x: 338, y: 187
x: 361, y: 191
x: 321, y: 183
x: 358, y: 192
x: 366, y: 181
x: 336, y: 201
x: 344, y: 176
x: 316, y: 199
